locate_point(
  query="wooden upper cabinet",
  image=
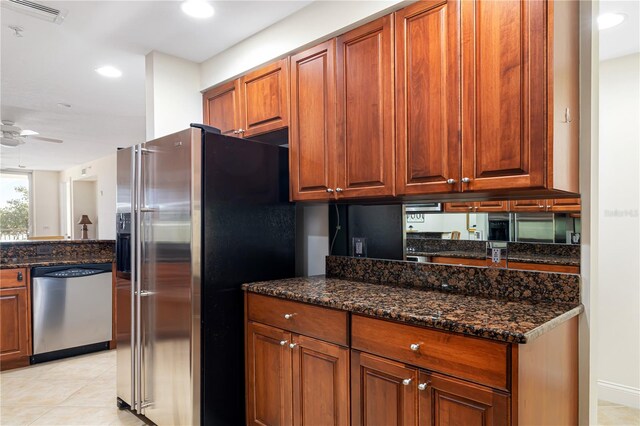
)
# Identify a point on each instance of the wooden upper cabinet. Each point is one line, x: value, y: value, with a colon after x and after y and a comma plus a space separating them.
x: 504, y: 95
x: 528, y: 205
x: 513, y: 134
x: 265, y: 98
x: 448, y: 401
x: 222, y: 107
x: 492, y: 206
x: 383, y: 392
x: 568, y: 205
x: 427, y: 78
x: 365, y: 101
x: 268, y: 376
x: 460, y: 207
x: 312, y: 134
x: 320, y: 383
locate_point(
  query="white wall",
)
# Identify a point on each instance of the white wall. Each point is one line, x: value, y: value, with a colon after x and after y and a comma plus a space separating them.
x: 84, y: 203
x: 103, y: 171
x: 312, y: 239
x: 619, y: 232
x: 173, y: 98
x: 46, y: 204
x: 320, y: 20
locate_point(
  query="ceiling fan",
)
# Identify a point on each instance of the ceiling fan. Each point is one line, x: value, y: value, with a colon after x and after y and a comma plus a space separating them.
x: 13, y: 135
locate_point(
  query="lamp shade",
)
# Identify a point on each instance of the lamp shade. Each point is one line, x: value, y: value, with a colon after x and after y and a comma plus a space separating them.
x: 84, y: 220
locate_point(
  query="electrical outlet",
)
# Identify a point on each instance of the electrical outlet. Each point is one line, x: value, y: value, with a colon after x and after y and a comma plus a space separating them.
x: 359, y: 245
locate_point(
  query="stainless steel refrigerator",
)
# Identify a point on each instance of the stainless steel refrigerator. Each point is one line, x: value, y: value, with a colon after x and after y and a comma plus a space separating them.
x: 198, y: 214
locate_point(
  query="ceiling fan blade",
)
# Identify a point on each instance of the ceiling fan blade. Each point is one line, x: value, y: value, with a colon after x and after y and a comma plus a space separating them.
x: 40, y: 138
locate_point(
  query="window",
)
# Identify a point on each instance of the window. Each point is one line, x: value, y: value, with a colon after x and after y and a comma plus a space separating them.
x: 15, y: 205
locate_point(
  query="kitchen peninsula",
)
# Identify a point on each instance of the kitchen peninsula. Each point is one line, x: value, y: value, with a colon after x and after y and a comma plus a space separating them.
x: 407, y: 342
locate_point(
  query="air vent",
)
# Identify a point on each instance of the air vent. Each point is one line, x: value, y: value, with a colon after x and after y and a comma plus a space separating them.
x: 37, y: 10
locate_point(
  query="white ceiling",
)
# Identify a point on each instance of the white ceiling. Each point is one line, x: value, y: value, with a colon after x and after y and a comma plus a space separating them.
x: 623, y: 39
x: 54, y: 64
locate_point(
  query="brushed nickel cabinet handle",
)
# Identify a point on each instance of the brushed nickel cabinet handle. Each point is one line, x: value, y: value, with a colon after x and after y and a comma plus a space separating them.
x: 465, y: 180
x: 407, y: 382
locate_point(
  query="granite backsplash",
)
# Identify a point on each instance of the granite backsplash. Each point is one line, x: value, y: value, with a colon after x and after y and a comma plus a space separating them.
x: 13, y: 251
x: 496, y: 283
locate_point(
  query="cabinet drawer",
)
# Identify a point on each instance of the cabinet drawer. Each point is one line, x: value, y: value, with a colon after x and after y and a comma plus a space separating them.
x: 313, y: 321
x: 10, y: 278
x: 478, y: 360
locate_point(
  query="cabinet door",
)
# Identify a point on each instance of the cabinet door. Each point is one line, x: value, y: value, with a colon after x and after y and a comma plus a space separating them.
x: 528, y: 205
x: 265, y: 99
x: 492, y: 206
x: 268, y: 376
x: 570, y: 205
x: 383, y: 392
x: 365, y: 156
x: 320, y: 383
x: 428, y: 97
x: 445, y: 401
x: 14, y: 315
x: 460, y: 207
x: 504, y: 84
x: 222, y: 107
x: 312, y: 134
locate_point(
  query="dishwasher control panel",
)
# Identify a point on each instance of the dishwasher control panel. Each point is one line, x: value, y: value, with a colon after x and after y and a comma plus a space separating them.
x: 73, y: 272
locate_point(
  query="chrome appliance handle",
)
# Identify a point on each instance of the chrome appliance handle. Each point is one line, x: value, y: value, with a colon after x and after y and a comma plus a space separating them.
x: 138, y: 285
x: 133, y: 271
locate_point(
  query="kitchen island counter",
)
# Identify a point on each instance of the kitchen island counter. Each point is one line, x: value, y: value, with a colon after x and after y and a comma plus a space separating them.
x: 496, y: 319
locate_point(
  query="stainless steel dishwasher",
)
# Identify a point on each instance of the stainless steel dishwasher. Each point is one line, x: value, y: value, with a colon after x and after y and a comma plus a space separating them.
x: 72, y: 310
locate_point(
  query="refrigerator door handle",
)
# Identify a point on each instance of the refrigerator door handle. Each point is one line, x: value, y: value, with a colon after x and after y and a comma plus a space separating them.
x: 137, y: 287
x: 133, y: 244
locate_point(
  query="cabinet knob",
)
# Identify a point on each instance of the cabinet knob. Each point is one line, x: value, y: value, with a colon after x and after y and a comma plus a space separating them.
x: 329, y: 190
x: 293, y: 345
x: 283, y: 342
x: 451, y: 181
x: 289, y: 316
x: 541, y: 206
x: 465, y: 180
x: 407, y: 382
x: 20, y: 277
x: 338, y: 189
x: 415, y: 347
x: 241, y: 130
x: 423, y: 386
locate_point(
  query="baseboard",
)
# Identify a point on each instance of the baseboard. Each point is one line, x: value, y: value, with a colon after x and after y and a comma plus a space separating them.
x: 619, y: 394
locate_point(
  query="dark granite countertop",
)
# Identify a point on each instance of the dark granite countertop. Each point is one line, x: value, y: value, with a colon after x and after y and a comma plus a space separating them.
x: 50, y: 261
x: 62, y: 241
x: 502, y: 320
x: 539, y: 259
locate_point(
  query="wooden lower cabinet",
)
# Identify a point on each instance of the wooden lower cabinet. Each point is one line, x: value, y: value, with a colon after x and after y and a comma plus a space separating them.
x: 382, y: 391
x: 448, y: 401
x: 295, y: 379
x: 389, y: 393
x: 15, y: 333
x: 268, y: 376
x: 320, y: 383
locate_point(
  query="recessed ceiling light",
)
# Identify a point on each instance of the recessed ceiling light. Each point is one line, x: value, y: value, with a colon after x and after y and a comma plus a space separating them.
x: 608, y: 20
x: 109, y: 71
x: 197, y: 9
x: 63, y: 105
x: 28, y: 133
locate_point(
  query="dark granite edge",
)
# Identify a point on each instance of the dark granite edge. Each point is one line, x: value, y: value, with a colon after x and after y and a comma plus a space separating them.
x: 550, y: 325
x: 432, y: 322
x: 55, y: 262
x: 38, y: 242
x: 548, y: 260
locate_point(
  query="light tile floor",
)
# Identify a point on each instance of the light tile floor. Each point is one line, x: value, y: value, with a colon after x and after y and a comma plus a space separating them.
x: 82, y: 391
x: 73, y: 391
